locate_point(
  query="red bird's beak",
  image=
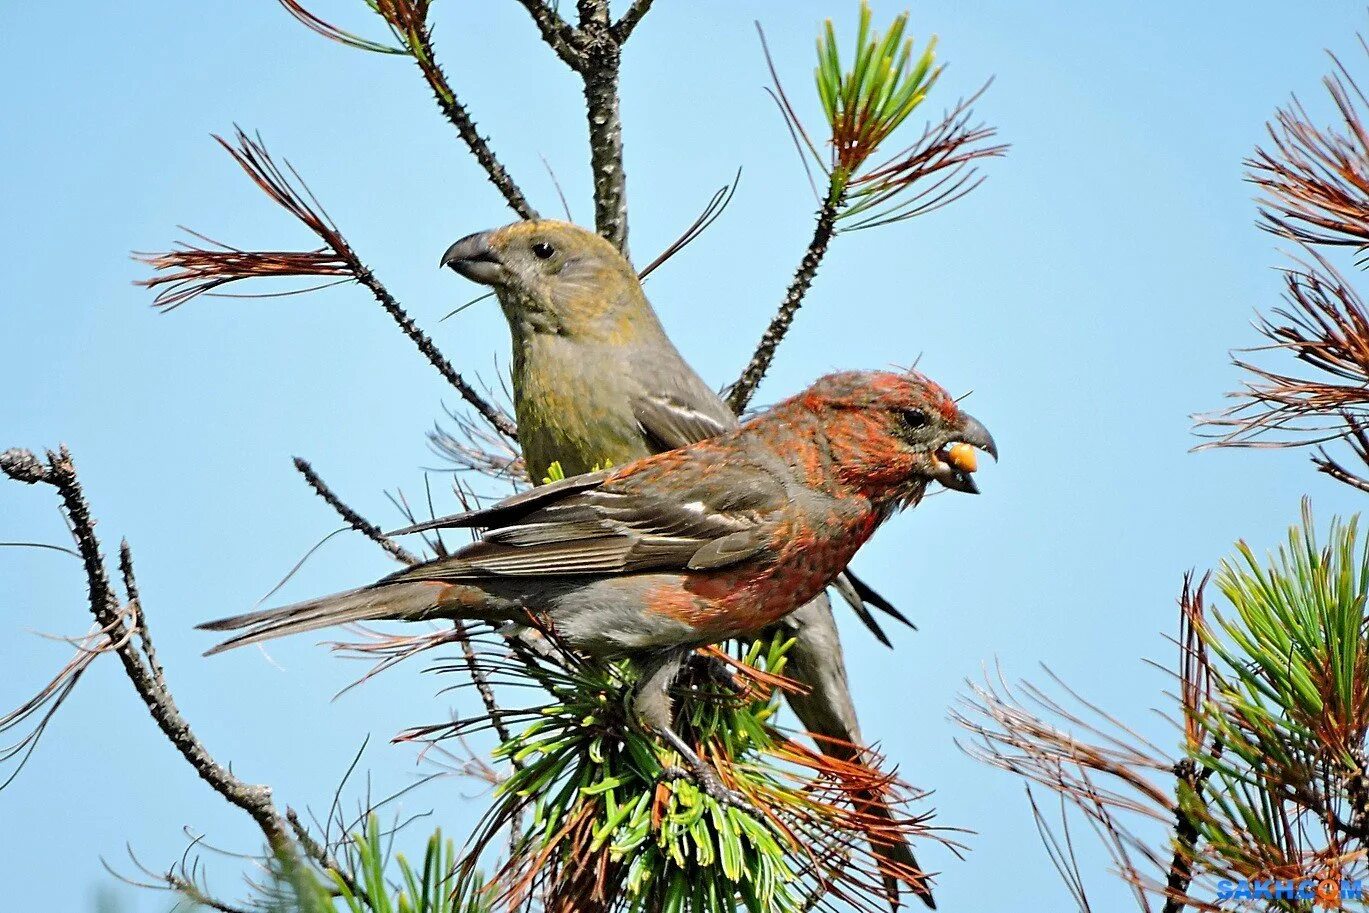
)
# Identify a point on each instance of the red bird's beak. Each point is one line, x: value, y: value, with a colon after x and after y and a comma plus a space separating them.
x: 955, y: 462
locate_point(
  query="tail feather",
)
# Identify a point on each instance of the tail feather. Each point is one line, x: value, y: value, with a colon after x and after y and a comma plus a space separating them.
x: 404, y: 601
x: 898, y: 866
x: 827, y: 712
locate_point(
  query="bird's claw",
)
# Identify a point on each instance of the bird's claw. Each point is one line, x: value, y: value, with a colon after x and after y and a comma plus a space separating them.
x: 708, y: 781
x: 720, y: 673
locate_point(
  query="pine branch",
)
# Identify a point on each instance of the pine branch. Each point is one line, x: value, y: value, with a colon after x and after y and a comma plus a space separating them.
x: 411, y: 19
x: 864, y: 106
x: 408, y: 24
x: 745, y: 386
x: 353, y: 519
x: 193, y: 270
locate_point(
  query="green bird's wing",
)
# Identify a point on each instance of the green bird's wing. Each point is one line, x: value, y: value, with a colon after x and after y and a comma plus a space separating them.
x: 671, y: 421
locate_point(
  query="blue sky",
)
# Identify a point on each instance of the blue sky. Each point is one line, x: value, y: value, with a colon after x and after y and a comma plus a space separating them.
x: 1087, y: 294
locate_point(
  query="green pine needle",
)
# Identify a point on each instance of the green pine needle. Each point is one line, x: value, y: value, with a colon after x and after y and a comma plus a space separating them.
x: 869, y: 101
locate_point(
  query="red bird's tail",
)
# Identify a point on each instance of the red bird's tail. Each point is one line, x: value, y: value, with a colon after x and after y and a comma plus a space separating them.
x: 398, y: 602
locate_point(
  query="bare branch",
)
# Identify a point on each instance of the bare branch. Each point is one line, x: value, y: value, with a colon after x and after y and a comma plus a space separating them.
x: 594, y: 51
x: 592, y: 13
x: 556, y: 32
x: 353, y: 519
x: 745, y: 386
x: 606, y: 138
x: 622, y: 30
x: 59, y: 472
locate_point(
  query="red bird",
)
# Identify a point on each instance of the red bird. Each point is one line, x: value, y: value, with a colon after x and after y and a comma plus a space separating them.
x: 695, y: 546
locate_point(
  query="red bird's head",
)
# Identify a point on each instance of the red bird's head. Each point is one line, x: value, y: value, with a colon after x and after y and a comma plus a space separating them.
x: 891, y: 433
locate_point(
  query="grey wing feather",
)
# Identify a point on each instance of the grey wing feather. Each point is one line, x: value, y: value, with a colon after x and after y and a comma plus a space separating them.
x: 674, y: 421
x: 511, y: 508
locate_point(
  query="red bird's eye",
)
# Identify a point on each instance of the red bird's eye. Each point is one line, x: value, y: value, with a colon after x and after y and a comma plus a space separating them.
x: 542, y: 250
x: 914, y: 418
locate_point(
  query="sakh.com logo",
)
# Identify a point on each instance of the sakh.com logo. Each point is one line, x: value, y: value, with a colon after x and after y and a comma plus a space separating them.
x: 1327, y: 891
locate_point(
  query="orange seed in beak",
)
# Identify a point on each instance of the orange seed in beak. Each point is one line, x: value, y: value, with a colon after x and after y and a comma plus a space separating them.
x: 962, y: 457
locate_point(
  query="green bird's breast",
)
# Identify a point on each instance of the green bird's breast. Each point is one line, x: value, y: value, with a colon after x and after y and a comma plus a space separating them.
x: 573, y: 407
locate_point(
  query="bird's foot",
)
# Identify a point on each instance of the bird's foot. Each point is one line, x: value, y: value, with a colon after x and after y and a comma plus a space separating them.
x: 708, y: 781
x: 720, y: 673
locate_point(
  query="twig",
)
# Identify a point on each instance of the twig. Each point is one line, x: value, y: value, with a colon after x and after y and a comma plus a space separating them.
x: 321, y: 854
x: 482, y: 685
x: 622, y: 30
x: 420, y: 42
x: 1192, y: 777
x: 745, y: 387
x: 408, y: 23
x: 192, y: 892
x: 556, y: 32
x: 1335, y: 470
x: 501, y: 422
x: 139, y: 618
x: 353, y: 519
x: 59, y: 472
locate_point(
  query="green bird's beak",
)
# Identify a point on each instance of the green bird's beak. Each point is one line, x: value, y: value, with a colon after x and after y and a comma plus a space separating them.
x: 475, y: 258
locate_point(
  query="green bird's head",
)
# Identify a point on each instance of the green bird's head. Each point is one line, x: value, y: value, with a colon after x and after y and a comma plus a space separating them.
x: 555, y: 277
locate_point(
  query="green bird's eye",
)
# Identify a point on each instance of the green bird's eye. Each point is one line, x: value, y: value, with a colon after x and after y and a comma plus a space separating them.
x: 542, y: 250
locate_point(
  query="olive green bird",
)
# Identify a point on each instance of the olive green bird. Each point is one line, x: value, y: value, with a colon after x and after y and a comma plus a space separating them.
x: 596, y: 381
